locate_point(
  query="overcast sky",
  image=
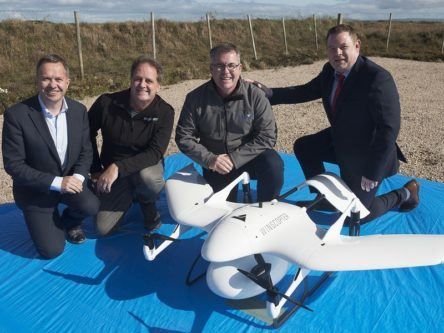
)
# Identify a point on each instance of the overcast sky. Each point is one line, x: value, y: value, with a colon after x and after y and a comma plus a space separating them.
x: 191, y: 10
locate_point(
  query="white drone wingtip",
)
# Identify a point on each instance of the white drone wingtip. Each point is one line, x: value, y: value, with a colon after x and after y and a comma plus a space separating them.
x: 223, y: 194
x: 336, y: 192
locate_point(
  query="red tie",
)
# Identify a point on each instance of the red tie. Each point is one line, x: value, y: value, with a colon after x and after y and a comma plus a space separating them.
x: 339, y: 86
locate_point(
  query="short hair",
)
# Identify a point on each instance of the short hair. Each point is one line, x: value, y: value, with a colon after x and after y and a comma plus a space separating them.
x: 145, y: 59
x: 343, y: 28
x: 223, y: 48
x: 53, y: 59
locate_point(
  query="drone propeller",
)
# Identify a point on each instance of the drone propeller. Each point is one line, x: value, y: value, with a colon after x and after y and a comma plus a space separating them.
x: 149, y: 239
x: 260, y: 274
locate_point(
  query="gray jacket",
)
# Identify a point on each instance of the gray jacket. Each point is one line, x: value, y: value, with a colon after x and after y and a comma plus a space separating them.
x: 241, y: 125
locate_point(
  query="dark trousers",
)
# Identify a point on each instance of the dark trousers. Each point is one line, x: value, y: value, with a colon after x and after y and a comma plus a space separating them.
x: 312, y: 150
x: 143, y: 186
x: 46, y: 226
x: 267, y: 168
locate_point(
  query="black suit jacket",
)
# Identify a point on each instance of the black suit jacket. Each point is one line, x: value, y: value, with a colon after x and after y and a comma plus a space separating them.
x: 30, y: 155
x: 366, y: 123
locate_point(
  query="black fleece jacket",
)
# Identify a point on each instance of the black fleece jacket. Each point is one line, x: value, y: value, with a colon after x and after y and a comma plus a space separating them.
x: 132, y: 143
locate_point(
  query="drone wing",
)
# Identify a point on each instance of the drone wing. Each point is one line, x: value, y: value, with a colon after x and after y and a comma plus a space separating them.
x: 336, y: 192
x: 377, y: 252
x: 191, y: 200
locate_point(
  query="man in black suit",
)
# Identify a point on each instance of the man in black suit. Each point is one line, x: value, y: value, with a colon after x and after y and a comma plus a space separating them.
x: 47, y: 151
x: 362, y: 104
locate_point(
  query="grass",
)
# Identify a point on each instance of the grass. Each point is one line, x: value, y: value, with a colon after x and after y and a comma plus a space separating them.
x: 182, y: 48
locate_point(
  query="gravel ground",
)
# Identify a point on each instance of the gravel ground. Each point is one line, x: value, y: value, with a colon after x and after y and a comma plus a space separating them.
x: 421, y: 88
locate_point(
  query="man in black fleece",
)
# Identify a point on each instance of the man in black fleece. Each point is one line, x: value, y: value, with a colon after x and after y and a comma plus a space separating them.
x: 136, y: 126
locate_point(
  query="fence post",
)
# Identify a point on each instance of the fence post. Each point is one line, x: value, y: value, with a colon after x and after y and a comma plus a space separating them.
x: 389, y: 30
x: 79, y: 44
x: 442, y: 47
x: 285, y: 36
x: 252, y: 37
x: 339, y: 18
x: 209, y: 31
x: 153, y: 33
x: 316, y: 33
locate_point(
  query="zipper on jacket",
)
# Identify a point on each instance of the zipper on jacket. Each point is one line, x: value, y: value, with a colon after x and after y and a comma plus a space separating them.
x: 226, y: 127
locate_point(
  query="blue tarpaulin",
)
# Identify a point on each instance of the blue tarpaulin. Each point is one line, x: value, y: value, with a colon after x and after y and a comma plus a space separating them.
x: 106, y: 285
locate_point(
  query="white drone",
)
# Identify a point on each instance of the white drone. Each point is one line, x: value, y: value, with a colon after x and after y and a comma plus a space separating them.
x: 251, y: 247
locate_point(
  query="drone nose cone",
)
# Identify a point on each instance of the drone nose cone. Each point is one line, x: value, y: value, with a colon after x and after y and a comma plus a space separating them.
x: 229, y: 240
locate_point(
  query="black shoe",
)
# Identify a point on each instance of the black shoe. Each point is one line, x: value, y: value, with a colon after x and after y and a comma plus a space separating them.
x: 155, y: 224
x: 413, y: 187
x: 75, y: 235
x: 151, y: 217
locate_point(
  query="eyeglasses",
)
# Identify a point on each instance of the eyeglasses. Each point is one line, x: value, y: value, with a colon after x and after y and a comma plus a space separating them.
x: 221, y: 67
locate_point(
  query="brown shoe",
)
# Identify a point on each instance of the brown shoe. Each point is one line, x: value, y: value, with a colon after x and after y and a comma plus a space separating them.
x: 413, y: 187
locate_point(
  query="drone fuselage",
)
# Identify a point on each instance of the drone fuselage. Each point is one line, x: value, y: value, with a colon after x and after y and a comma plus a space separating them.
x: 277, y: 228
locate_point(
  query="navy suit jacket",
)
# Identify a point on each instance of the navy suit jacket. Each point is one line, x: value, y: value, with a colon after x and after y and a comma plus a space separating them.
x: 30, y: 155
x: 366, y: 123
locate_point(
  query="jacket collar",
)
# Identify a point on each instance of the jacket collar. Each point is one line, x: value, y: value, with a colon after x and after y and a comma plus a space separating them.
x: 237, y: 94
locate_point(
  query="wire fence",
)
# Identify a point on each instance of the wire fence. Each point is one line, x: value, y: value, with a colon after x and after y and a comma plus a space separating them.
x: 94, y: 49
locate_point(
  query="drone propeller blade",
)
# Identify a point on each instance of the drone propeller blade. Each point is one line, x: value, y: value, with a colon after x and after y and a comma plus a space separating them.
x: 164, y: 237
x: 266, y: 283
x: 253, y: 277
x: 292, y: 300
x: 259, y: 259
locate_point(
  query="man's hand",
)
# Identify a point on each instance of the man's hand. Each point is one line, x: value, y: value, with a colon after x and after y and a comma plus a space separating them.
x: 222, y: 164
x: 71, y: 184
x: 106, y: 179
x: 367, y: 184
x: 268, y: 92
x: 95, y: 177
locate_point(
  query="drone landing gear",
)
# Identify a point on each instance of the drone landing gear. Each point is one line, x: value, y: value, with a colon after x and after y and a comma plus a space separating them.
x: 260, y: 274
x: 280, y: 318
x: 154, y: 243
x: 355, y: 224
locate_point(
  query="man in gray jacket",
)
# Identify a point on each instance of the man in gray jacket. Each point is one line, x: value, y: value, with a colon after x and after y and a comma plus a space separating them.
x: 227, y: 126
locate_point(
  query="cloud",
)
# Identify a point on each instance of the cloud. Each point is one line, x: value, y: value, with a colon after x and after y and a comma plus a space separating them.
x: 186, y: 10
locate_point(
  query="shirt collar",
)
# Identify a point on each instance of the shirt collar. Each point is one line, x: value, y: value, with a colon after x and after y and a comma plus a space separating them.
x: 346, y: 73
x: 45, y: 110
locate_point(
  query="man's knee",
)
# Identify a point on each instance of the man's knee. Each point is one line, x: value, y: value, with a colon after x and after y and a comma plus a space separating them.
x: 91, y: 207
x: 83, y: 204
x: 103, y: 229
x: 300, y: 146
x: 50, y: 251
x: 273, y: 161
x: 151, y: 181
x: 107, y: 222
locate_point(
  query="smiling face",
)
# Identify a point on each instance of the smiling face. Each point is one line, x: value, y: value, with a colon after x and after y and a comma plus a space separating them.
x: 52, y: 84
x: 144, y: 86
x: 342, y: 51
x: 225, y: 78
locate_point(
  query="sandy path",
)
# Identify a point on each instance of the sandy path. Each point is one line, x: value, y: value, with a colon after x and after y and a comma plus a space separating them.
x: 421, y: 88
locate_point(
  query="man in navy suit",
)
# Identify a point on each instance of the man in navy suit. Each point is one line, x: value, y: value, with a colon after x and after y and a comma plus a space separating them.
x: 362, y: 104
x: 47, y: 151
